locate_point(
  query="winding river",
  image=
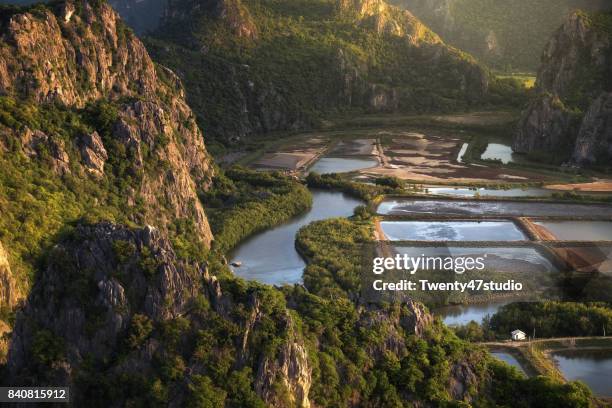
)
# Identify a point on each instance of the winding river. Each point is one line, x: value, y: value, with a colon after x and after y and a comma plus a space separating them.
x: 270, y: 256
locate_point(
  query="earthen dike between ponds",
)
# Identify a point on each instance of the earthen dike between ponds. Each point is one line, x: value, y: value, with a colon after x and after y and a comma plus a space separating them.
x: 579, y: 256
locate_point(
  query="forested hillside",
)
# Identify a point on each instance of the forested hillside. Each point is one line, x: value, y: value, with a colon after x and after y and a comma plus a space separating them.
x: 111, y: 280
x: 506, y: 35
x: 105, y: 136
x: 282, y: 64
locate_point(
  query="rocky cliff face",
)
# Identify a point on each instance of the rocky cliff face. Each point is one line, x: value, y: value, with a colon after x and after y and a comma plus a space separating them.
x: 571, y: 114
x: 437, y: 13
x: 102, y: 59
x: 442, y: 16
x: 544, y: 127
x: 79, y: 54
x: 8, y: 293
x: 594, y: 143
x: 289, y: 366
x: 90, y: 291
x: 105, y: 301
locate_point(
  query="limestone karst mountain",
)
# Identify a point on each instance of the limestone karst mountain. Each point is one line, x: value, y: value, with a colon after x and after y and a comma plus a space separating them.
x: 570, y: 119
x: 286, y: 65
x: 89, y: 116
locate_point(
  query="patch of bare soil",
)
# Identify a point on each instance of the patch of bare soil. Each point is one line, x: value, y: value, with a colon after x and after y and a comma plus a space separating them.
x: 293, y: 157
x: 601, y: 186
x: 477, y: 118
x: 286, y: 161
x: 542, y: 232
x: 433, y: 158
x: 355, y: 147
x: 586, y: 259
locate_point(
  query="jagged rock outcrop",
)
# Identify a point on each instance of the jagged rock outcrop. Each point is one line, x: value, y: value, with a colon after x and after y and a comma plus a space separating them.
x: 8, y: 292
x: 79, y: 53
x: 93, y: 285
x: 37, y: 144
x: 577, y: 42
x: 461, y: 379
x: 73, y: 58
x: 411, y: 318
x: 140, y: 125
x: 545, y: 126
x: 436, y: 13
x: 93, y: 153
x: 594, y: 143
x: 386, y: 19
x: 289, y: 367
x: 418, y: 318
x: 570, y: 115
x: 442, y: 16
x: 108, y: 291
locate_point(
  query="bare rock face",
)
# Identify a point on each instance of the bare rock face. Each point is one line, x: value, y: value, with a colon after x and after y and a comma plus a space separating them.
x: 290, y: 367
x: 105, y: 59
x: 437, y: 13
x: 383, y: 99
x: 185, y: 167
x: 570, y: 115
x: 418, y: 318
x: 410, y: 318
x: 37, y: 144
x: 594, y: 143
x: 576, y: 43
x: 88, y: 294
x: 363, y: 8
x: 543, y: 126
x: 93, y: 153
x: 461, y: 379
x: 77, y: 52
x: 8, y: 292
x: 31, y: 140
